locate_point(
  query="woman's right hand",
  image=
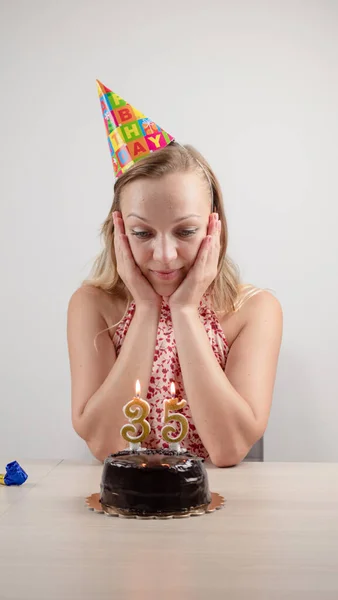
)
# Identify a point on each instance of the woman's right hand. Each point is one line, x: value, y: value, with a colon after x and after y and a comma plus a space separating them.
x: 141, y: 290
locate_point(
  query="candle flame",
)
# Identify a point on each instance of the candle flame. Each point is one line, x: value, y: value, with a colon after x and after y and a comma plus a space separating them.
x: 172, y: 389
x: 137, y: 388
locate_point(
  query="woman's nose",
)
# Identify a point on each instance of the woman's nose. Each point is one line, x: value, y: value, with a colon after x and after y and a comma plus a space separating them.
x: 164, y: 250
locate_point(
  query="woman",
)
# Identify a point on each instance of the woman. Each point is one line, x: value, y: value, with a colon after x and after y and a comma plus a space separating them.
x: 164, y: 303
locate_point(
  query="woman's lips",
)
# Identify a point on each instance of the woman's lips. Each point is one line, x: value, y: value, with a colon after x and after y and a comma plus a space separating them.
x: 166, y: 275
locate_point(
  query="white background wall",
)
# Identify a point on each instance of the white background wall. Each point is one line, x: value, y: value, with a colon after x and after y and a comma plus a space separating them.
x: 253, y: 85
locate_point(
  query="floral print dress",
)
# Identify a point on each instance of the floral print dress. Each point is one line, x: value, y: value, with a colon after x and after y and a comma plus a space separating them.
x: 166, y: 368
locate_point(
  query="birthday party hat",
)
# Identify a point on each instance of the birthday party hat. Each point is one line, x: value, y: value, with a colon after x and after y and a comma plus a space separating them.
x: 131, y: 135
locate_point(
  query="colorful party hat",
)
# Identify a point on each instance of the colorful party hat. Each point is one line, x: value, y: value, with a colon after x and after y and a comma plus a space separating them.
x: 131, y: 135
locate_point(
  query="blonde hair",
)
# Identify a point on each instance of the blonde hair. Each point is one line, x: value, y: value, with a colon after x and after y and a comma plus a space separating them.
x: 226, y: 291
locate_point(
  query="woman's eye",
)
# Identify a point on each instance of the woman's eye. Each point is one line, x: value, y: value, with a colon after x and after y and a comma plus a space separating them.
x: 187, y: 232
x: 141, y: 234
x: 144, y: 235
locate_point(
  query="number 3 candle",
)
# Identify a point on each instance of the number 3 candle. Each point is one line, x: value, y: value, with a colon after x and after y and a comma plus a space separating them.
x: 173, y: 405
x: 136, y: 411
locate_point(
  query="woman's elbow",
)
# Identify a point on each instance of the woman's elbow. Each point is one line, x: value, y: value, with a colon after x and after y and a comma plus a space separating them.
x: 222, y: 460
x: 101, y: 450
x: 98, y: 450
x: 228, y: 457
x: 80, y: 426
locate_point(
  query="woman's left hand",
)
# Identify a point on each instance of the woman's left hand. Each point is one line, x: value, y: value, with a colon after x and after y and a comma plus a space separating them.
x: 203, y: 272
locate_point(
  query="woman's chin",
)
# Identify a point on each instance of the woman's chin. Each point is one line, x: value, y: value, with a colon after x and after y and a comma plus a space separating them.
x: 165, y: 290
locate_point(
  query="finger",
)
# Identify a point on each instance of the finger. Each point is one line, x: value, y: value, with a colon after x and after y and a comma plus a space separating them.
x: 125, y: 261
x: 115, y: 224
x: 214, y: 253
x: 116, y: 231
x: 216, y: 232
x: 125, y: 247
x: 216, y: 238
x: 118, y: 246
x: 203, y: 252
x: 210, y: 224
x: 121, y: 225
x: 118, y: 222
x: 214, y: 229
x: 129, y: 263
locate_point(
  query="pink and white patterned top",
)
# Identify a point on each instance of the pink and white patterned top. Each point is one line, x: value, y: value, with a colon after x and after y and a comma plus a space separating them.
x: 166, y: 368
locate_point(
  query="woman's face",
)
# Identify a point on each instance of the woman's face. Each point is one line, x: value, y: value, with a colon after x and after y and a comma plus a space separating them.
x: 166, y: 220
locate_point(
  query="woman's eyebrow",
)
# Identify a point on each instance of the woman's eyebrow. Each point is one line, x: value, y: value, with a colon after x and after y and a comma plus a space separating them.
x: 175, y: 221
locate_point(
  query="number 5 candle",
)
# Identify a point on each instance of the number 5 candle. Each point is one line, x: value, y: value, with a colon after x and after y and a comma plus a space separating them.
x: 173, y: 405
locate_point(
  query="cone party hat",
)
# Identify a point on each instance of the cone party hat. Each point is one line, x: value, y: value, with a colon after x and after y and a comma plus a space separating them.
x: 131, y: 135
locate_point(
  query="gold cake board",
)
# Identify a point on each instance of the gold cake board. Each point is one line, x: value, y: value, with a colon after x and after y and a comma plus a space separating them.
x: 94, y: 504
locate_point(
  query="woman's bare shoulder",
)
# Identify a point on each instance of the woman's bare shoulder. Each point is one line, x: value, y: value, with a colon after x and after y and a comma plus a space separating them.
x: 252, y: 303
x: 108, y: 307
x: 91, y: 296
x: 261, y: 305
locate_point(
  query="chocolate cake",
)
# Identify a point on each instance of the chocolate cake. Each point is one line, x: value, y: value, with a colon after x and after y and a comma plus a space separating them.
x: 154, y: 482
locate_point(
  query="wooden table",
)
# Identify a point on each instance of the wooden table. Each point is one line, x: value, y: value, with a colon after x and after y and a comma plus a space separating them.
x: 276, y: 538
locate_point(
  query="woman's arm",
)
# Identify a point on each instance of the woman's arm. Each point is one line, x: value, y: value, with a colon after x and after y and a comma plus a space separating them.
x: 102, y: 384
x: 231, y: 409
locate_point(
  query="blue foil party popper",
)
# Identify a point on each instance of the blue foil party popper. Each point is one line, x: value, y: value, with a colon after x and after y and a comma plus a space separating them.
x: 15, y: 475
